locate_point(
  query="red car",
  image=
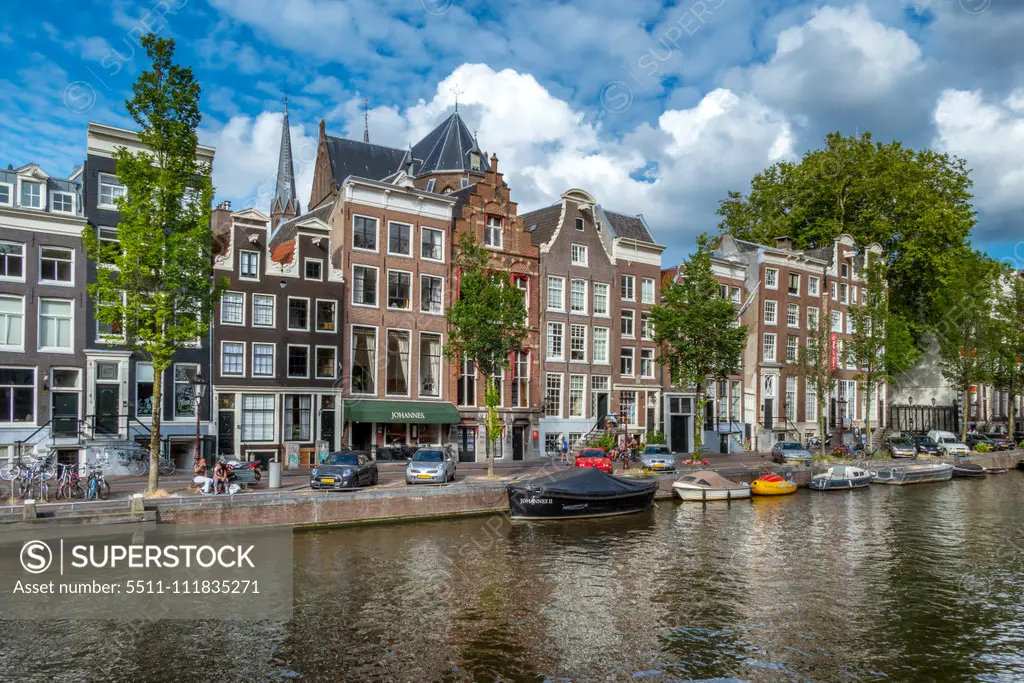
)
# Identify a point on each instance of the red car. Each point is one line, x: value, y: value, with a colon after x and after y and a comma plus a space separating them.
x: 594, y: 457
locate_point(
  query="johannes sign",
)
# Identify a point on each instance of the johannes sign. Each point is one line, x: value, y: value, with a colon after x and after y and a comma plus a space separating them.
x: 407, y: 416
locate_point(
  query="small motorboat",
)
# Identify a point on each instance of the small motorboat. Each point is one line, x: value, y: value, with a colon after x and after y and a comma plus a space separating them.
x: 914, y: 474
x: 705, y: 485
x: 772, y: 485
x: 578, y: 492
x: 968, y: 470
x: 997, y: 470
x: 841, y: 478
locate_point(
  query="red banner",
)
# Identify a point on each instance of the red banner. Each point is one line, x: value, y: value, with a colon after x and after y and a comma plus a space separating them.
x: 835, y: 350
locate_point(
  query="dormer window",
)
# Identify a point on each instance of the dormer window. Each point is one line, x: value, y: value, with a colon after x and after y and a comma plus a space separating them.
x: 474, y: 161
x: 579, y: 223
x: 5, y: 194
x: 31, y: 195
x: 62, y: 202
x: 430, y: 184
x: 463, y: 182
x: 110, y: 189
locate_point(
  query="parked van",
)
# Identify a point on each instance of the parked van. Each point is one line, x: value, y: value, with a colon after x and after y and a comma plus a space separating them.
x: 949, y: 443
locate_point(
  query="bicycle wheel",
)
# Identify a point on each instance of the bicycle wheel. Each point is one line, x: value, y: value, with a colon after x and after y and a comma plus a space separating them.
x: 166, y: 467
x: 103, y: 489
x: 10, y: 472
x: 137, y: 466
x: 44, y: 490
x: 50, y: 471
x: 91, y: 495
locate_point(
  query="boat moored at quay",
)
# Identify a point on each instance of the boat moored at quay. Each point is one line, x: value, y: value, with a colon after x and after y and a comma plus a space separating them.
x: 578, y: 492
x: 913, y: 474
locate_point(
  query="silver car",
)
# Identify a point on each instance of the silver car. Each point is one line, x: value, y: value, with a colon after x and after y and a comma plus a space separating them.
x: 791, y: 452
x: 431, y: 465
x: 658, y: 457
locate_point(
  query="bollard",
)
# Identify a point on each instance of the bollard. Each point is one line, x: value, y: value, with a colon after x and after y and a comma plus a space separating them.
x: 29, y: 511
x: 138, y: 507
x: 275, y: 475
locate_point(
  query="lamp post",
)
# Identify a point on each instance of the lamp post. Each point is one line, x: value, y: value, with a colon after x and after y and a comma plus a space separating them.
x: 841, y: 404
x: 910, y: 402
x: 199, y: 385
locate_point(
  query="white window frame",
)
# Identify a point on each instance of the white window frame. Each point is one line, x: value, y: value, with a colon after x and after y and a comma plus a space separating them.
x: 376, y: 234
x: 547, y: 388
x: 646, y: 326
x: 771, y: 312
x: 579, y: 223
x: 22, y: 182
x: 489, y: 234
x: 582, y: 311
x: 771, y: 274
x: 288, y: 314
x: 561, y: 302
x: 810, y: 402
x: 817, y: 318
x: 288, y: 364
x: 316, y: 316
x: 607, y: 347
x: 53, y: 204
x: 837, y: 322
x: 316, y: 364
x: 39, y: 326
x: 607, y: 299
x: 799, y: 284
x: 112, y: 180
x: 104, y: 338
x: 56, y: 283
x: 412, y: 232
x: 792, y: 319
x: 352, y: 297
x: 792, y: 344
x: 35, y: 399
x: 241, y: 275
x: 273, y: 411
x: 423, y: 231
x: 174, y: 392
x: 790, y: 406
x: 305, y: 265
x: 631, y: 279
x: 813, y: 286
x: 10, y: 194
x: 585, y: 335
x: 632, y: 323
x: 547, y: 341
x: 273, y: 310
x: 582, y: 412
x: 24, y: 262
x: 583, y: 259
x: 650, y: 363
x: 419, y: 365
x: 632, y: 361
x: 16, y: 347
x: 435, y: 277
x: 409, y: 382
x: 412, y: 290
x: 273, y: 361
x: 243, y: 364
x: 773, y: 358
x: 241, y: 323
x: 376, y: 358
x: 430, y: 184
x: 647, y: 290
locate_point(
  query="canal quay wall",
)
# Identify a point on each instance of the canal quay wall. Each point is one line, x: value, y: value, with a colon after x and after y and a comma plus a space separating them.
x: 311, y: 509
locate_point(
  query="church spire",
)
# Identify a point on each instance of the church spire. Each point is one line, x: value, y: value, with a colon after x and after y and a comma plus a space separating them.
x: 366, y: 120
x: 285, y: 204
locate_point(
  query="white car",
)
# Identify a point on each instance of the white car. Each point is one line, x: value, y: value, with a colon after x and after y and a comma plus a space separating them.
x: 948, y: 443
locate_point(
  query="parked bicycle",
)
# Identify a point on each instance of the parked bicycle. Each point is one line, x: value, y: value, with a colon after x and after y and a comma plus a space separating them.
x: 135, y: 460
x: 32, y: 481
x: 12, y: 470
x: 96, y: 485
x: 69, y: 484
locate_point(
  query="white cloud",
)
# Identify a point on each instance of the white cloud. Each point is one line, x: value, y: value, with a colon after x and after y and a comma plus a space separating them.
x: 989, y: 135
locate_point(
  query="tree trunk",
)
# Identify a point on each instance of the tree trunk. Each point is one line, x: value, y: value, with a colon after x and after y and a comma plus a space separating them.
x: 867, y: 414
x: 822, y: 423
x: 1011, y: 414
x: 154, y: 437
x: 698, y: 419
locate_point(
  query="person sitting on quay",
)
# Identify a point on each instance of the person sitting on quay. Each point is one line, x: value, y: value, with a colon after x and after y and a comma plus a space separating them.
x: 202, y: 472
x: 220, y: 477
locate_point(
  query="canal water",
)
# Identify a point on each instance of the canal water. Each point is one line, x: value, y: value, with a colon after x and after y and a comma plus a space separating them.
x: 917, y: 583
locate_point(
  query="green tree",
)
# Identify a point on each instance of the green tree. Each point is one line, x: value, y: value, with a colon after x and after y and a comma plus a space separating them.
x: 819, y: 368
x: 968, y: 335
x: 156, y: 280
x: 486, y: 325
x: 698, y: 331
x: 881, y: 344
x: 1008, y: 362
x: 914, y: 203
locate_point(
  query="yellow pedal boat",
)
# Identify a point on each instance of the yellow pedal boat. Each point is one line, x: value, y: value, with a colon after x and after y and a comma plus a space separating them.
x: 772, y: 485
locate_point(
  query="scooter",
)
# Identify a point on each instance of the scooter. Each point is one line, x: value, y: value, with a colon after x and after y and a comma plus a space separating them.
x: 255, y: 465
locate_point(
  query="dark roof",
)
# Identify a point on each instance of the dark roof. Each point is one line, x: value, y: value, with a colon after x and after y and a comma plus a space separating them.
x: 542, y: 223
x: 822, y: 254
x: 630, y: 227
x: 447, y: 148
x: 286, y: 230
x: 362, y: 159
x: 461, y: 198
x: 53, y: 184
x: 284, y: 197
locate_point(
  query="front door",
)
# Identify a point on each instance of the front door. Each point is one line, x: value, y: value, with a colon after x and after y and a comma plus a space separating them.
x: 467, y: 444
x: 362, y: 436
x: 108, y: 398
x: 769, y: 413
x: 602, y: 405
x: 65, y: 413
x: 226, y: 432
x: 517, y: 442
x: 680, y: 434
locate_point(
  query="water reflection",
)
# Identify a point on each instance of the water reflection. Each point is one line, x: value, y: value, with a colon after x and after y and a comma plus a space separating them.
x: 916, y: 583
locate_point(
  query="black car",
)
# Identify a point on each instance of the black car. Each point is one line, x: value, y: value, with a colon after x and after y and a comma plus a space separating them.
x: 1002, y: 442
x: 925, y: 445
x: 974, y: 439
x: 344, y: 470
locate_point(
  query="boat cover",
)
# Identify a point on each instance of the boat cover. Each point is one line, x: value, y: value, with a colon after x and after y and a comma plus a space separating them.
x: 710, y: 479
x: 584, y: 481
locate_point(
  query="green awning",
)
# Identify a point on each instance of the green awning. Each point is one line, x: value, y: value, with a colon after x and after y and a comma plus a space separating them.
x: 415, y: 412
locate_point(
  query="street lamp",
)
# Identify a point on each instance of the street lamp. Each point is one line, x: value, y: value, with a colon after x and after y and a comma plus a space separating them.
x: 913, y: 421
x: 199, y: 385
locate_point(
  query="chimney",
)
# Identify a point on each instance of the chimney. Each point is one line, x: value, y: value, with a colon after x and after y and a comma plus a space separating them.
x: 494, y: 163
x: 220, y: 219
x: 785, y: 243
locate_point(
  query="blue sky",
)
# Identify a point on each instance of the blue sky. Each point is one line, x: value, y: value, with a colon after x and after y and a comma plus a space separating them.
x: 656, y: 108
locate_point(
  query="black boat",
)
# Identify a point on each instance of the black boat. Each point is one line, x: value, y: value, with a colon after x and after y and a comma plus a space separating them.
x: 578, y: 492
x: 967, y: 469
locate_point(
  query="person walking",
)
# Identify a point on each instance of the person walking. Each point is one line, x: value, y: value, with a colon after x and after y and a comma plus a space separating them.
x: 565, y: 450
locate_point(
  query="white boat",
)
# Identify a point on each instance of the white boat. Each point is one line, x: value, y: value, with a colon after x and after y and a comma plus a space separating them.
x: 705, y: 485
x: 913, y: 474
